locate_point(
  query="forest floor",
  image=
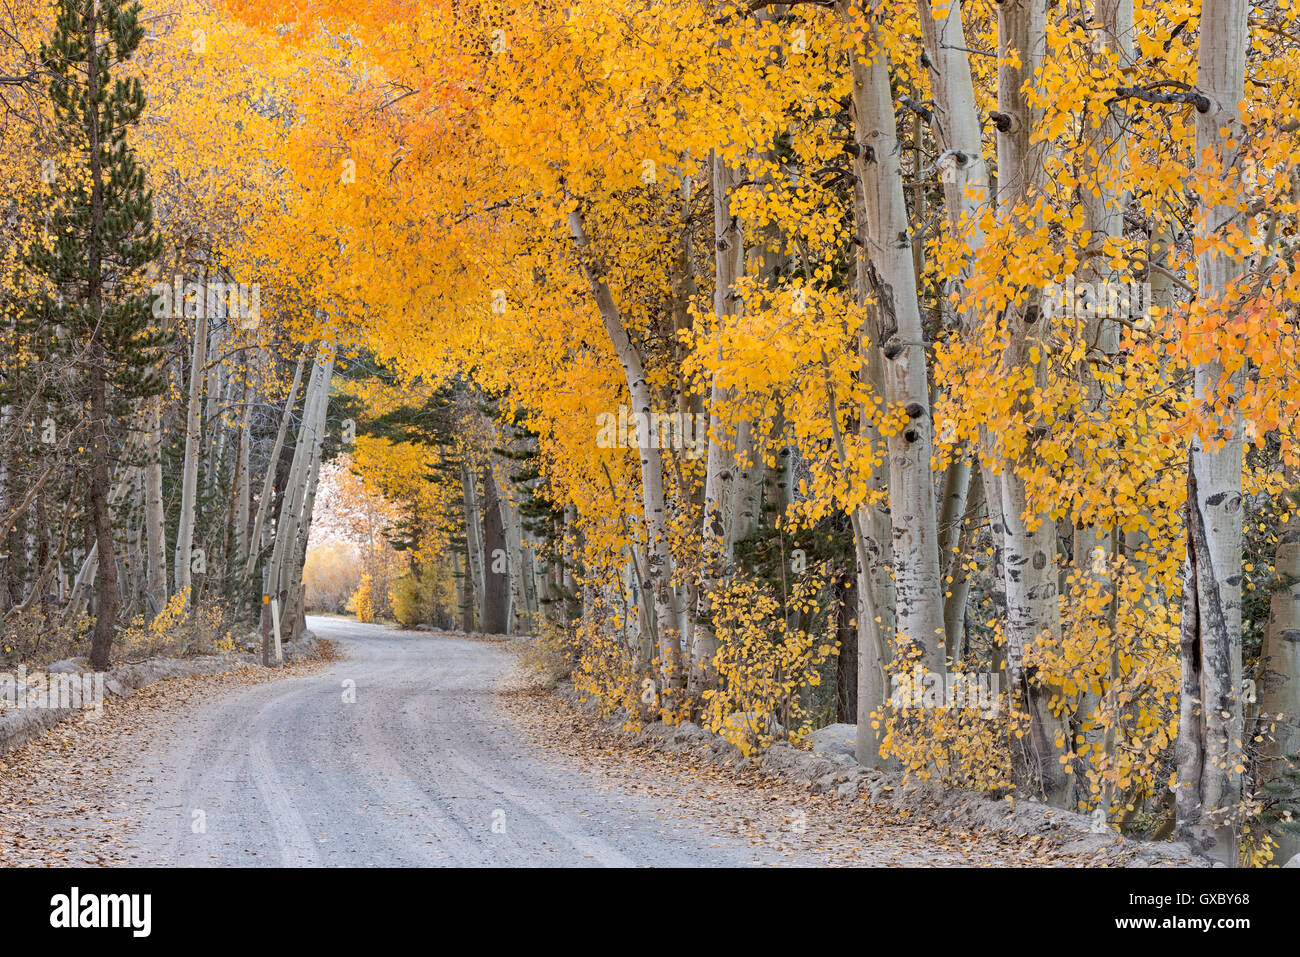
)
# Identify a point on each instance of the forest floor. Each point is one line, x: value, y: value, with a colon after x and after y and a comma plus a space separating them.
x: 772, y: 814
x: 59, y: 800
x: 415, y: 748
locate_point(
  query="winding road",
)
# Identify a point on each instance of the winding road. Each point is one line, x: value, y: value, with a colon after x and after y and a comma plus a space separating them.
x: 400, y: 753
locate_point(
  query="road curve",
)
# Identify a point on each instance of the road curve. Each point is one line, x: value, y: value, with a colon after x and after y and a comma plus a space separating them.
x: 423, y: 767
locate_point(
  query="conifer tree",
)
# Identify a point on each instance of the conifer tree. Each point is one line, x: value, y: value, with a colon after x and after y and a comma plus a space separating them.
x: 94, y: 308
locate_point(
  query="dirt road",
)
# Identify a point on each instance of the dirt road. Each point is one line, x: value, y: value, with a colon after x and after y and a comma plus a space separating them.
x: 404, y: 751
x: 397, y: 755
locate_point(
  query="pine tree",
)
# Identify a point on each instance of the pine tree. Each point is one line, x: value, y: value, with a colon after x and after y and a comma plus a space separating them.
x: 95, y: 309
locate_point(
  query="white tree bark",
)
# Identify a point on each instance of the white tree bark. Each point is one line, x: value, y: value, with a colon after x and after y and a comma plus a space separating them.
x: 81, y: 585
x: 516, y: 571
x: 958, y: 132
x: 474, y: 544
x: 193, y: 450
x: 721, y: 474
x: 1029, y: 542
x: 659, y: 557
x: 1210, y: 721
x: 294, y: 605
x: 1279, y: 677
x: 84, y: 581
x: 268, y: 483
x: 243, y: 501
x: 294, y: 490
x: 216, y: 387
x: 298, y: 492
x: 891, y: 285
x: 1103, y: 217
x: 154, y: 519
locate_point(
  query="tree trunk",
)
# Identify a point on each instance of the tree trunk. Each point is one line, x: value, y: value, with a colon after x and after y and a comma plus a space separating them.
x: 465, y: 590
x: 958, y: 132
x: 106, y: 594
x: 1103, y: 217
x: 306, y: 457
x: 1279, y: 681
x: 721, y: 474
x: 1029, y: 542
x: 193, y: 451
x: 155, y: 520
x: 891, y: 284
x: 243, y: 494
x: 299, y: 555
x: 517, y: 571
x: 268, y: 483
x: 1210, y: 725
x: 496, y: 584
x: 106, y: 582
x: 474, y: 548
x: 659, y: 558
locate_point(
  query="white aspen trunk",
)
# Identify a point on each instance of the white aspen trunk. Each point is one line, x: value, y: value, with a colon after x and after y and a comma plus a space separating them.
x: 299, y: 556
x: 79, y: 593
x: 1032, y: 613
x: 875, y: 620
x: 570, y: 552
x: 134, y: 590
x: 957, y: 129
x: 521, y: 569
x: 53, y: 569
x: 464, y: 592
x: 306, y: 452
x: 1103, y: 206
x: 557, y: 605
x: 243, y: 503
x: 474, y: 545
x: 956, y: 124
x: 218, y: 481
x: 659, y: 557
x: 81, y: 585
x: 873, y: 533
x: 536, y: 580
x: 294, y: 486
x: 641, y: 627
x: 874, y: 592
x: 956, y: 578
x: 1103, y: 217
x: 689, y: 404
x: 720, y: 464
x: 1029, y: 541
x: 1279, y: 678
x: 7, y: 444
x: 193, y: 449
x: 1210, y: 722
x: 516, y: 570
x: 154, y: 519
x: 891, y: 283
x: 216, y: 386
x: 255, y: 536
x: 6, y: 416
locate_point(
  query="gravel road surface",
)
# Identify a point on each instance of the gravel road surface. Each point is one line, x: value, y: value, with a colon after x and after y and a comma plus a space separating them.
x: 423, y: 767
